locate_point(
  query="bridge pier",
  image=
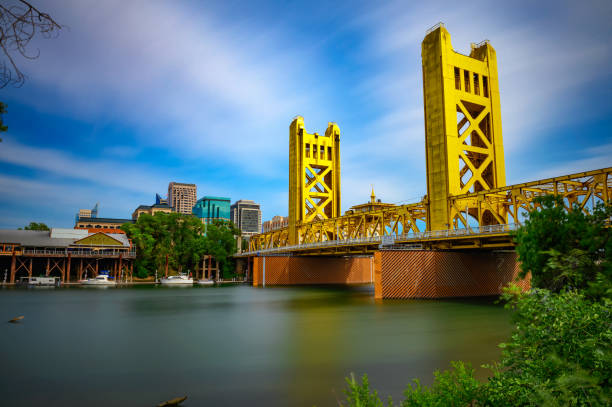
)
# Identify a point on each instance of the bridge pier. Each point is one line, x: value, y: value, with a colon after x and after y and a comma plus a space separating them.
x: 294, y: 270
x: 444, y: 274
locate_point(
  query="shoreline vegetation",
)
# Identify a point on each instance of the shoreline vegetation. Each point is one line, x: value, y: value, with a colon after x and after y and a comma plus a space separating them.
x: 171, y: 243
x: 560, y: 352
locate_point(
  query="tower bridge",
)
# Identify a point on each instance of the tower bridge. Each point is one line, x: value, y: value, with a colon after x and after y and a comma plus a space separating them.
x: 456, y: 241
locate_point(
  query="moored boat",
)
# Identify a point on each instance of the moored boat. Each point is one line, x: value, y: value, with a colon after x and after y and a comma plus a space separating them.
x: 102, y: 279
x: 206, y: 282
x: 181, y: 279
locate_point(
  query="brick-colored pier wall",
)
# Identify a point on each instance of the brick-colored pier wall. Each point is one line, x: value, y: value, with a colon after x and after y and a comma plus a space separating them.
x: 290, y: 270
x: 443, y: 274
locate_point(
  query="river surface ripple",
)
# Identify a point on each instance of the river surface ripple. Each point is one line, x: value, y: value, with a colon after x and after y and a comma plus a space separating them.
x: 231, y: 345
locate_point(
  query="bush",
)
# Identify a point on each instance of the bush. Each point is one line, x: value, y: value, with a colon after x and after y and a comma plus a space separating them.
x: 360, y: 395
x: 560, y: 352
x: 456, y: 387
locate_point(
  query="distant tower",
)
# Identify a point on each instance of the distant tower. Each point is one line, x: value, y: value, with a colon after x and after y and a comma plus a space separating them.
x: 314, y: 175
x: 463, y: 133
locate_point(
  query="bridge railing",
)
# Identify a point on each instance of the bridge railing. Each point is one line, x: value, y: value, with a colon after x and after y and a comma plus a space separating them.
x: 389, y: 240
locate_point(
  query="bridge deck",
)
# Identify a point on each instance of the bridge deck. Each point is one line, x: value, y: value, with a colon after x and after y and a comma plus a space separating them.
x: 494, y: 236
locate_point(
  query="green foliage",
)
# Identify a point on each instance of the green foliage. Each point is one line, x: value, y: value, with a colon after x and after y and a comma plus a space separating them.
x: 567, y: 250
x: 35, y: 226
x: 455, y: 387
x: 221, y: 243
x: 559, y: 354
x: 360, y: 395
x: 178, y: 241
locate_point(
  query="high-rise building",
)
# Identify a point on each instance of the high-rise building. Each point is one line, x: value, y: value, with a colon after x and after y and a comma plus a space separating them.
x: 182, y: 197
x: 211, y: 208
x: 246, y: 215
x: 277, y: 222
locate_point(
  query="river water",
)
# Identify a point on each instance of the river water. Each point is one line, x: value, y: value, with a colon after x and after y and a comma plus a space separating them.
x: 231, y: 345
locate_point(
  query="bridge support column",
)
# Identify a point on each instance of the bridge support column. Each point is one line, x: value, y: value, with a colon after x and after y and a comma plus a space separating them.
x: 293, y: 270
x: 444, y: 274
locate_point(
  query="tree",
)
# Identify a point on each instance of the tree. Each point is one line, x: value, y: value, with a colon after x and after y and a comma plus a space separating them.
x: 567, y: 249
x: 20, y: 21
x: 35, y: 226
x: 221, y: 244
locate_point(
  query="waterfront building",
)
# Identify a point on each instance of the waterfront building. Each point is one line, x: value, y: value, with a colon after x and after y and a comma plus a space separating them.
x: 182, y: 197
x: 60, y: 252
x: 277, y: 222
x: 373, y: 205
x: 101, y: 224
x: 150, y: 210
x: 211, y: 208
x: 246, y: 215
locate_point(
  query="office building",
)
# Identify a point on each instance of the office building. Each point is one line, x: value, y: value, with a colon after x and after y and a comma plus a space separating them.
x: 160, y: 201
x: 182, y: 197
x: 87, y: 213
x: 246, y: 215
x: 211, y: 208
x: 277, y: 222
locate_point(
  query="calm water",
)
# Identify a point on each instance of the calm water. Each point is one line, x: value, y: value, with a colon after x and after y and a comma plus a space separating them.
x: 234, y: 345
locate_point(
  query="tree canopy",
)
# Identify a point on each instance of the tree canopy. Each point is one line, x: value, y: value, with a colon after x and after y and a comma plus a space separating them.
x: 180, y: 242
x: 567, y: 249
x: 36, y: 226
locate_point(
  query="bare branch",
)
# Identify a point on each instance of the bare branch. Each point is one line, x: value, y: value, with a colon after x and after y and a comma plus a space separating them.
x: 20, y: 21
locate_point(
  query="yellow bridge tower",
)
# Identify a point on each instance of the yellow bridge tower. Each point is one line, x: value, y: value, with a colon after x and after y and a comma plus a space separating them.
x: 314, y: 176
x: 463, y: 133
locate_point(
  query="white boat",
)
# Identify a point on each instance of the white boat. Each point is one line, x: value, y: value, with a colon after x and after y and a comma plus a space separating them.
x: 40, y: 281
x: 206, y: 282
x: 102, y: 279
x: 181, y: 279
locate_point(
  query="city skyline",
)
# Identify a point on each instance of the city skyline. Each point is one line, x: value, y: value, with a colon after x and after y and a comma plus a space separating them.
x: 92, y: 123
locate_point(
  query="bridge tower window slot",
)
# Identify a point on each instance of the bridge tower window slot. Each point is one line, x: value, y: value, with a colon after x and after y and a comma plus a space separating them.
x: 307, y: 150
x: 457, y: 78
x: 322, y: 156
x: 466, y: 79
x: 476, y: 84
x: 485, y: 86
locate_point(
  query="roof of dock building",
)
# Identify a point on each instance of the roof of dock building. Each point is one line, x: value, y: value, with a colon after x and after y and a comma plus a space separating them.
x: 55, y: 238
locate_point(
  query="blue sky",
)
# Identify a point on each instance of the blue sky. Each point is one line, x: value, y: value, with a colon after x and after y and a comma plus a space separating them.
x: 133, y: 95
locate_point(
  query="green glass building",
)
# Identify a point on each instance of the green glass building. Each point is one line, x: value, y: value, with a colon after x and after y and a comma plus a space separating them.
x: 210, y: 208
